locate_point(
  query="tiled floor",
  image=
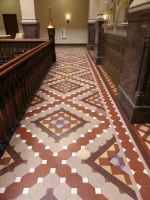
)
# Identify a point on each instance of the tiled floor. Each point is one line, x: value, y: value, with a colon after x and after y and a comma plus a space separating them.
x: 73, y: 143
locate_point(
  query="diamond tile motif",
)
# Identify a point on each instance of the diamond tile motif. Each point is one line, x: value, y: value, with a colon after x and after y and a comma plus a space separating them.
x: 49, y: 77
x: 65, y: 86
x: 60, y: 123
x: 109, y: 162
x: 94, y: 100
x: 88, y: 77
x: 37, y: 100
x: 68, y: 70
x: 9, y: 160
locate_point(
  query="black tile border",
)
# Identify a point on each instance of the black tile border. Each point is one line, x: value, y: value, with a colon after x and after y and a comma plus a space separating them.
x: 92, y: 104
x: 52, y: 86
x: 103, y: 172
x: 17, y: 160
x: 130, y: 127
x: 57, y: 138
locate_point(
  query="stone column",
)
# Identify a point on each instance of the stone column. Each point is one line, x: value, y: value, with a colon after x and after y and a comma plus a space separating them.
x: 134, y: 89
x: 29, y: 23
x: 91, y: 24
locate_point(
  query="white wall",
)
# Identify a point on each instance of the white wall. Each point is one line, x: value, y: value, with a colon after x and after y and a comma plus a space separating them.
x: 77, y: 29
x: 9, y: 7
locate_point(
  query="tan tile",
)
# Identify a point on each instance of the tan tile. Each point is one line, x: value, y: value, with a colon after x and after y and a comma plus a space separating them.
x: 124, y: 197
x: 73, y: 197
x: 62, y: 191
x: 110, y: 191
x: 96, y: 180
x: 34, y: 162
x: 51, y: 180
x: 42, y: 136
x: 7, y: 179
x: 73, y: 162
x: 48, y: 141
x: 83, y: 154
x: 37, y: 191
x: 27, y: 154
x: 84, y: 170
x: 15, y: 140
x: 56, y: 147
x: 99, y: 141
x: 20, y: 147
x: 91, y: 147
x: 23, y: 197
x: 21, y: 170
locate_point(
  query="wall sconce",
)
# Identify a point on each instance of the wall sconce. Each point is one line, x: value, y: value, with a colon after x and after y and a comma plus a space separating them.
x: 104, y: 17
x: 68, y: 18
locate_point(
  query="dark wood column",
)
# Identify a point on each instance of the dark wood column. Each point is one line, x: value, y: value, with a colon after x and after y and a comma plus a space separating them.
x: 134, y: 89
x: 99, y: 32
x: 91, y: 35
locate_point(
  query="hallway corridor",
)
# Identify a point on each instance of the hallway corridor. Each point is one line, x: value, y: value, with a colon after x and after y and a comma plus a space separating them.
x: 72, y: 143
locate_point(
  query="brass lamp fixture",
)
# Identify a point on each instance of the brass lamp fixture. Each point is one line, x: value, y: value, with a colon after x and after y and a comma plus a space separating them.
x: 68, y: 18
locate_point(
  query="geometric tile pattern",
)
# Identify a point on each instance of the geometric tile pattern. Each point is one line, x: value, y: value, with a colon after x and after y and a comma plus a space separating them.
x: 60, y: 123
x: 36, y: 100
x: 65, y: 86
x: 9, y: 160
x: 73, y: 143
x: 141, y: 132
x: 88, y: 77
x: 94, y: 100
x: 68, y: 70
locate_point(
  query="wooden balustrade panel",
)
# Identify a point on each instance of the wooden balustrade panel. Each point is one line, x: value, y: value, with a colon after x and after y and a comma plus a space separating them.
x: 18, y: 85
x: 10, y: 49
x: 113, y: 55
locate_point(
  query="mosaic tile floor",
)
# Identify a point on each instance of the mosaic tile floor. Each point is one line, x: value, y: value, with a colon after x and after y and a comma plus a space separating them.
x: 72, y: 142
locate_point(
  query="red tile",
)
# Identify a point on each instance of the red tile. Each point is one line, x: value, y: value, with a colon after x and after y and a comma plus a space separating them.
x: 74, y: 147
x: 73, y: 180
x: 14, y: 190
x: 29, y: 180
x: 136, y: 165
x: 65, y: 154
x: 63, y: 170
x: 145, y: 192
x: 54, y: 162
x: 142, y: 178
x: 42, y: 170
x: 99, y: 197
x: 45, y: 154
x: 86, y: 191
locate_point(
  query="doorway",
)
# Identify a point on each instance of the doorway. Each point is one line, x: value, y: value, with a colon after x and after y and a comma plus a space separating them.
x: 11, y: 24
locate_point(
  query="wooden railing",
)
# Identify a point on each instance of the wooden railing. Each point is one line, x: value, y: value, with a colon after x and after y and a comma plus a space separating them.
x: 19, y: 81
x: 113, y: 55
x: 10, y: 49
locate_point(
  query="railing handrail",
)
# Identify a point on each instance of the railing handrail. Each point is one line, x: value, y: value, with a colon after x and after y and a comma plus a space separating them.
x: 9, y: 66
x: 23, y: 40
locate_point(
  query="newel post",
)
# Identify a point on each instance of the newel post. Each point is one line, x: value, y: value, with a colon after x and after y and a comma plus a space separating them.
x: 51, y: 34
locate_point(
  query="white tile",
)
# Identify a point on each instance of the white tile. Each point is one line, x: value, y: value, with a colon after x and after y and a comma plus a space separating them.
x: 18, y: 179
x: 53, y: 170
x: 47, y: 147
x: 73, y: 190
x: 31, y: 170
x: 55, y: 154
x: 33, y: 135
x: 65, y: 147
x: 97, y: 190
x: 98, y: 135
x: 63, y: 162
x: 40, y: 180
x: 82, y: 147
x: 74, y: 141
x: 44, y: 161
x: 85, y: 180
x: 36, y: 154
x: 73, y: 170
x: 23, y: 141
x: 62, y: 180
x: 2, y: 189
x: 40, y: 141
x: 25, y: 191
x: 90, y: 141
x: 29, y: 147
x: 28, y: 130
x: 74, y: 154
x: 17, y: 135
